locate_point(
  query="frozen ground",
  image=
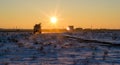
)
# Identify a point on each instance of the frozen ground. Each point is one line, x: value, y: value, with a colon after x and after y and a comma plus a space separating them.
x: 24, y: 48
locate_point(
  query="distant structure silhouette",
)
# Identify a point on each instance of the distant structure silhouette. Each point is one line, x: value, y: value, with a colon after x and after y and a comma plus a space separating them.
x: 37, y: 28
x: 70, y: 28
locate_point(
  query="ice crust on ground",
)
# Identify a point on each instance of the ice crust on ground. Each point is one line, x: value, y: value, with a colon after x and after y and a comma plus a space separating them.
x: 25, y: 48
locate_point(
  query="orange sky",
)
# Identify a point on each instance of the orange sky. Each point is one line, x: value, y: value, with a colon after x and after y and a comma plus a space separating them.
x: 80, y: 13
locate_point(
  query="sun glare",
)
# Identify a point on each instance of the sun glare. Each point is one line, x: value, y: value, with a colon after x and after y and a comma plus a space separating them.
x: 53, y: 20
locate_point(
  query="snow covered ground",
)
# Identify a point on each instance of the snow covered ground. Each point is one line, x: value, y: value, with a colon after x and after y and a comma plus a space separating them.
x: 25, y: 48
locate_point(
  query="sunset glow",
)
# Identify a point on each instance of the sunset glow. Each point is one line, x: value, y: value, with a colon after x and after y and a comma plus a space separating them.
x: 25, y: 14
x: 53, y: 20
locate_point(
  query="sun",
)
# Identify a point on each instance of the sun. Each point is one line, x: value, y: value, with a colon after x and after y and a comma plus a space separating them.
x: 53, y: 20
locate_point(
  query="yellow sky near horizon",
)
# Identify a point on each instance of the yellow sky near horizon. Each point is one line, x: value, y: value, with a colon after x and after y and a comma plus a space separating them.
x: 80, y: 13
